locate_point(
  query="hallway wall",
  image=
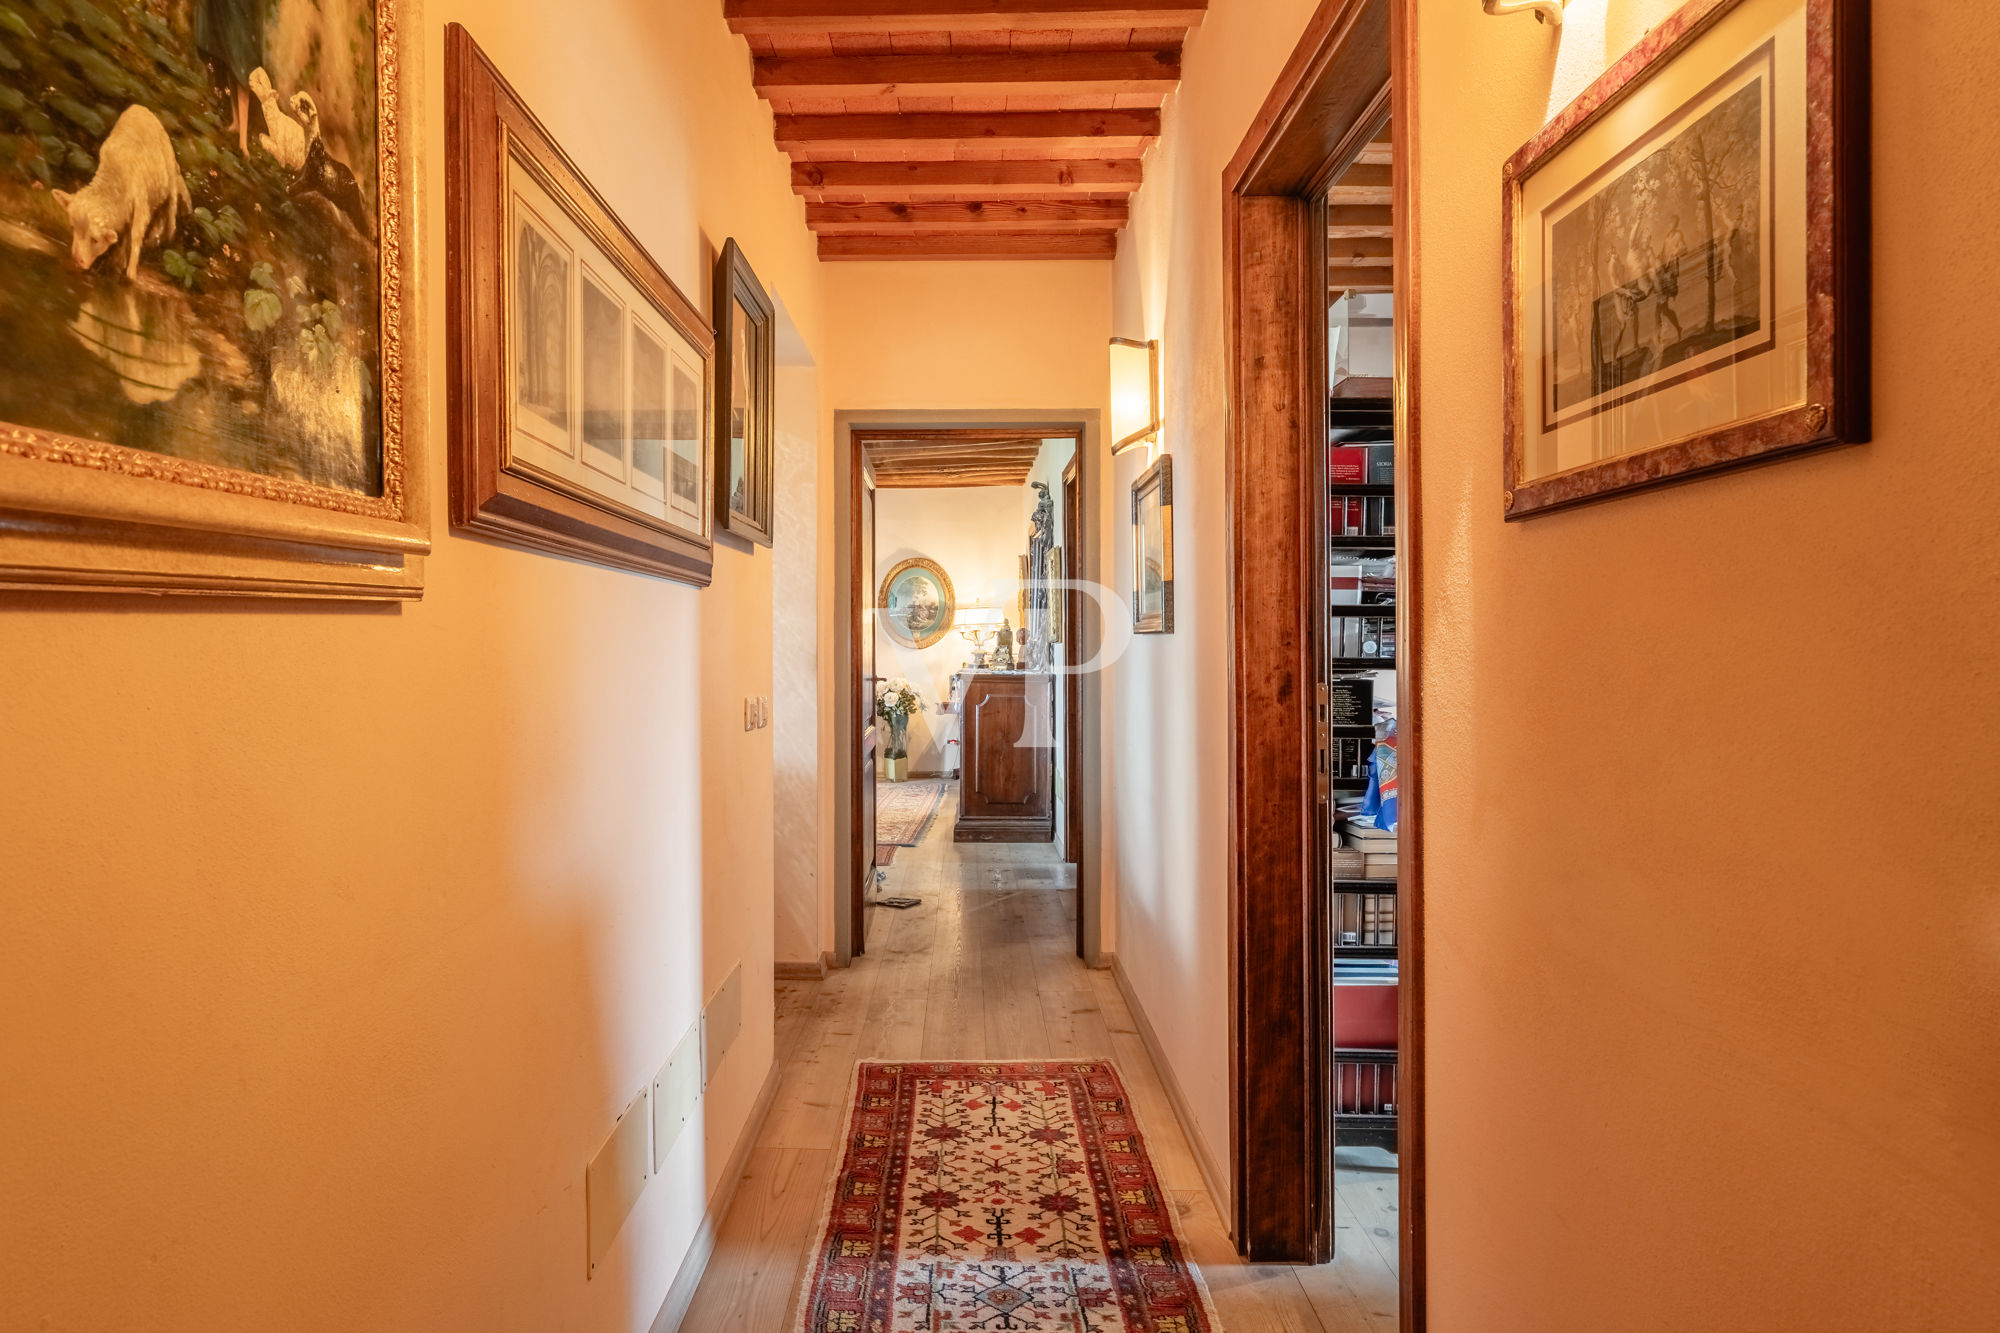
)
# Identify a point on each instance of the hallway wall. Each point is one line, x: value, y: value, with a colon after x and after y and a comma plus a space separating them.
x: 1167, y: 709
x: 334, y: 938
x: 1707, y: 779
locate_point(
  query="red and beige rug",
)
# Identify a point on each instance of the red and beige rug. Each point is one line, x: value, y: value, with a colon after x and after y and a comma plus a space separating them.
x: 903, y: 810
x: 1008, y: 1196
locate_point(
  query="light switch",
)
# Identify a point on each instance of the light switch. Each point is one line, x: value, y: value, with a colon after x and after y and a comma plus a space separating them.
x: 720, y: 1022
x: 676, y: 1094
x: 615, y: 1177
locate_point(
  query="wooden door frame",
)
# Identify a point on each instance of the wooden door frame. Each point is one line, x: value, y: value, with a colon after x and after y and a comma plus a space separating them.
x: 854, y: 593
x: 1355, y: 56
x: 1074, y: 526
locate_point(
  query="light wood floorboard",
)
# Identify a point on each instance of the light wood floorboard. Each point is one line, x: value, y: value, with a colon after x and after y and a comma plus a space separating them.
x: 985, y: 969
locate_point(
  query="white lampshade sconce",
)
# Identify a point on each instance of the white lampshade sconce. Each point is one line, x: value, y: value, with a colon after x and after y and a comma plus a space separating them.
x: 1135, y: 393
x: 977, y: 621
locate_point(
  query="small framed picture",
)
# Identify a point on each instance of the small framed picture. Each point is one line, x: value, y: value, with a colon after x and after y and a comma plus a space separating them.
x: 1686, y: 283
x: 1153, y: 549
x: 745, y: 380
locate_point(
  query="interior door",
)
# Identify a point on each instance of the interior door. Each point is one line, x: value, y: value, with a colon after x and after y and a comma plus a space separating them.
x: 864, y: 783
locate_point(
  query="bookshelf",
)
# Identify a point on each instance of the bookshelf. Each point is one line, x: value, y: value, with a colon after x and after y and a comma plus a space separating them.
x: 1359, y: 642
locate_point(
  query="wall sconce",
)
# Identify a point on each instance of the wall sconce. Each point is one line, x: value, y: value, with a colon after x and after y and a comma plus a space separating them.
x: 1135, y: 393
x: 1545, y: 11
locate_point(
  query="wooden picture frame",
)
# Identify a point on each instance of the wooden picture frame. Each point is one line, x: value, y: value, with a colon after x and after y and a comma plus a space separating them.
x: 1153, y: 560
x: 746, y: 370
x: 216, y: 405
x: 1753, y: 124
x: 581, y: 378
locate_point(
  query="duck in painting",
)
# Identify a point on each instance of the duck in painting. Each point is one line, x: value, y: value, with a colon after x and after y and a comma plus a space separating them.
x: 329, y: 178
x: 285, y: 139
x: 137, y: 177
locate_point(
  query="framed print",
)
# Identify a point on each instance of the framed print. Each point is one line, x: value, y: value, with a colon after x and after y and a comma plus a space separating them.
x: 1687, y: 256
x: 916, y: 603
x: 745, y: 385
x: 580, y: 375
x: 1153, y: 549
x: 203, y: 302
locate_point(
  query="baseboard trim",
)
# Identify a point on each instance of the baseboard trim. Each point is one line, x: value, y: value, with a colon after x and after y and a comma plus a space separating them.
x: 803, y: 971
x: 680, y: 1295
x: 1216, y: 1178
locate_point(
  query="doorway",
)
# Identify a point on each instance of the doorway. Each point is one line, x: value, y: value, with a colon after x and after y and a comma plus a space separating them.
x: 1320, y: 261
x: 1049, y: 552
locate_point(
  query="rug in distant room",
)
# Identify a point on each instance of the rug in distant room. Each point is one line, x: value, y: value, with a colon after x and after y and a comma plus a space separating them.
x: 903, y: 810
x: 1006, y: 1195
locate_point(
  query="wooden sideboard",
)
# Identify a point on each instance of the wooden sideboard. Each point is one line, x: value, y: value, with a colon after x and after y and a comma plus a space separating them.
x: 1006, y: 791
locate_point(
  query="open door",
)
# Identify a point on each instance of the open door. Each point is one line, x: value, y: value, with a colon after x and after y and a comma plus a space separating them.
x: 864, y: 779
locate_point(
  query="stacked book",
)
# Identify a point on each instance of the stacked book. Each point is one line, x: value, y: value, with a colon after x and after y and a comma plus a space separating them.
x: 1377, y: 848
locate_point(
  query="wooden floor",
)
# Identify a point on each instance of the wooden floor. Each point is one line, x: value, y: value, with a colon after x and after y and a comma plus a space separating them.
x: 985, y: 969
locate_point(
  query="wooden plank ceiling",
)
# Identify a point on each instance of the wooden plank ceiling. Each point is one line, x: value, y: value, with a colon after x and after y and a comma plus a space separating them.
x: 1360, y: 240
x: 955, y: 458
x: 966, y: 129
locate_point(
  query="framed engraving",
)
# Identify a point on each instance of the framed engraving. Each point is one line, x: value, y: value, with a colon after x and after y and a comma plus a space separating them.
x: 1153, y: 549
x: 581, y: 377
x: 204, y: 300
x: 745, y: 391
x: 1687, y: 256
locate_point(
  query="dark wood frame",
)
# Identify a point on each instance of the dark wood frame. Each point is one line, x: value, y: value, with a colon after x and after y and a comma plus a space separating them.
x: 861, y: 584
x: 1356, y: 58
x: 736, y: 283
x: 1837, y: 409
x: 1157, y: 479
x: 1072, y: 572
x: 490, y: 498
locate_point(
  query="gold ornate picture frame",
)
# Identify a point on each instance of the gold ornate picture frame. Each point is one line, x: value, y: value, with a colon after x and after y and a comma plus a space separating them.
x: 220, y: 401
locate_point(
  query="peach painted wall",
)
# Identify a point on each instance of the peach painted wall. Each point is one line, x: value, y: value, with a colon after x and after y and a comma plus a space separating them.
x: 333, y: 939
x: 1713, y: 936
x: 1167, y: 821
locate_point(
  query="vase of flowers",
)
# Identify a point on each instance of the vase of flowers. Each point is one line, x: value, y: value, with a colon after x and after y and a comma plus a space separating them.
x: 894, y: 703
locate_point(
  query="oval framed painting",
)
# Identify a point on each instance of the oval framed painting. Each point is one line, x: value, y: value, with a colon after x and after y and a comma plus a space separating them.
x: 916, y: 603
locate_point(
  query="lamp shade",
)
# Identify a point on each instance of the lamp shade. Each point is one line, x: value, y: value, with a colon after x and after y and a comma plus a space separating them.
x: 980, y: 618
x: 1135, y: 392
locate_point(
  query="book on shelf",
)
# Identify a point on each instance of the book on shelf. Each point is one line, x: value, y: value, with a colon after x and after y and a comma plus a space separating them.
x: 1381, y: 464
x: 1347, y: 464
x: 1378, y: 867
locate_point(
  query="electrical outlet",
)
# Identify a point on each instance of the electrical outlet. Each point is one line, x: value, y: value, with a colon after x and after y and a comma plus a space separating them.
x: 721, y: 1020
x: 676, y: 1094
x: 613, y: 1179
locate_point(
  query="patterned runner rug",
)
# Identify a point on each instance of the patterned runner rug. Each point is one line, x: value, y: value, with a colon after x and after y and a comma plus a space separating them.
x: 997, y: 1196
x: 903, y: 810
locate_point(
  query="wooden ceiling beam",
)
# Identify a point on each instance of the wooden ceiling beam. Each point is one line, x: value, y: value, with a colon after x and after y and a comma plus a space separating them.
x: 793, y: 16
x: 981, y: 74
x: 1352, y: 221
x: 948, y: 482
x: 1360, y: 251
x: 1057, y: 133
x: 994, y: 214
x: 891, y: 179
x: 1371, y: 279
x: 1099, y: 244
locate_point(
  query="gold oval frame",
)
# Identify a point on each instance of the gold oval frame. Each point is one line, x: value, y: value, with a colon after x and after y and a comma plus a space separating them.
x: 945, y: 621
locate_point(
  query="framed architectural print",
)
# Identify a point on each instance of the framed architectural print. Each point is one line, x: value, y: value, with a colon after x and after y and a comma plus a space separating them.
x: 581, y: 377
x: 1153, y: 549
x: 745, y: 388
x: 203, y: 300
x: 1687, y: 256
x: 916, y: 603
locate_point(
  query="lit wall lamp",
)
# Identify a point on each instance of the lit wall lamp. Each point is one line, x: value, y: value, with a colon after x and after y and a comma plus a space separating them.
x: 1545, y: 11
x: 1135, y: 393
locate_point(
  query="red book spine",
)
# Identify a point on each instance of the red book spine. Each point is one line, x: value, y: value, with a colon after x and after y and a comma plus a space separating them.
x: 1346, y: 464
